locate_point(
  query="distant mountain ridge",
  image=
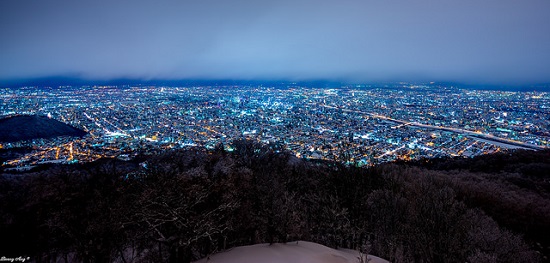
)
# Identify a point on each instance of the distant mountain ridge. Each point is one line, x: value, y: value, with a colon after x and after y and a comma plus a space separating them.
x: 28, y: 127
x: 56, y: 81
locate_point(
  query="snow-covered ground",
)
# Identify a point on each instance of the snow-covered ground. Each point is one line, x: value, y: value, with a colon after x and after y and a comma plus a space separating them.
x: 295, y: 252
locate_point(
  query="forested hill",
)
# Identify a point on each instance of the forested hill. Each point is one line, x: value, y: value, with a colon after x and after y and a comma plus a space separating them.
x: 28, y: 127
x: 184, y: 205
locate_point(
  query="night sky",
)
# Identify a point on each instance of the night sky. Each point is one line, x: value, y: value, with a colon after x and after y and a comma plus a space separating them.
x: 474, y: 41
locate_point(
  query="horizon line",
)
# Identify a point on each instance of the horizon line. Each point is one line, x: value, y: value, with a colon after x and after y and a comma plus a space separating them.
x: 59, y: 81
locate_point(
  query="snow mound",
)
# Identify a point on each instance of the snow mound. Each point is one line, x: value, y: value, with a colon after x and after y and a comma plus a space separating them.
x: 296, y: 252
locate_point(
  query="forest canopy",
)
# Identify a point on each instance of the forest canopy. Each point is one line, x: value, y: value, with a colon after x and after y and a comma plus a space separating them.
x: 183, y: 205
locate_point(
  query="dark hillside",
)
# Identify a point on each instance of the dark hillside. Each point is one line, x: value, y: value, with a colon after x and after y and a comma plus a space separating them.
x: 183, y: 205
x: 511, y: 187
x: 28, y: 127
x: 528, y: 163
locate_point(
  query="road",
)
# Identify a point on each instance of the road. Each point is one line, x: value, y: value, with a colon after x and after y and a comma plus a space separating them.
x: 475, y: 135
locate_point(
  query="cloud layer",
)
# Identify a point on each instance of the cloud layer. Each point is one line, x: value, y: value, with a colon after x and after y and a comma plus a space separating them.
x: 488, y: 41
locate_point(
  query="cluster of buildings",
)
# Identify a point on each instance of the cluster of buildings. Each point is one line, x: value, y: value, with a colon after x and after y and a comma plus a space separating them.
x: 357, y: 125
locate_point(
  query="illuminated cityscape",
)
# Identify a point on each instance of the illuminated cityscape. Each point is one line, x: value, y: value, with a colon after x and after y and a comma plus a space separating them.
x: 358, y: 125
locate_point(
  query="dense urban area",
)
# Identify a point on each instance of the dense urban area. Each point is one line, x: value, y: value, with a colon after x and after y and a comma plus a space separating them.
x: 358, y: 125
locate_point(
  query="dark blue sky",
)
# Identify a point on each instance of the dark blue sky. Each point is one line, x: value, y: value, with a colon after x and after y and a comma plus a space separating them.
x: 475, y: 41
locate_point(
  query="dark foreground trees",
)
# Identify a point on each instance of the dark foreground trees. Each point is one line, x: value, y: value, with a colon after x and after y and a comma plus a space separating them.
x: 185, y: 205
